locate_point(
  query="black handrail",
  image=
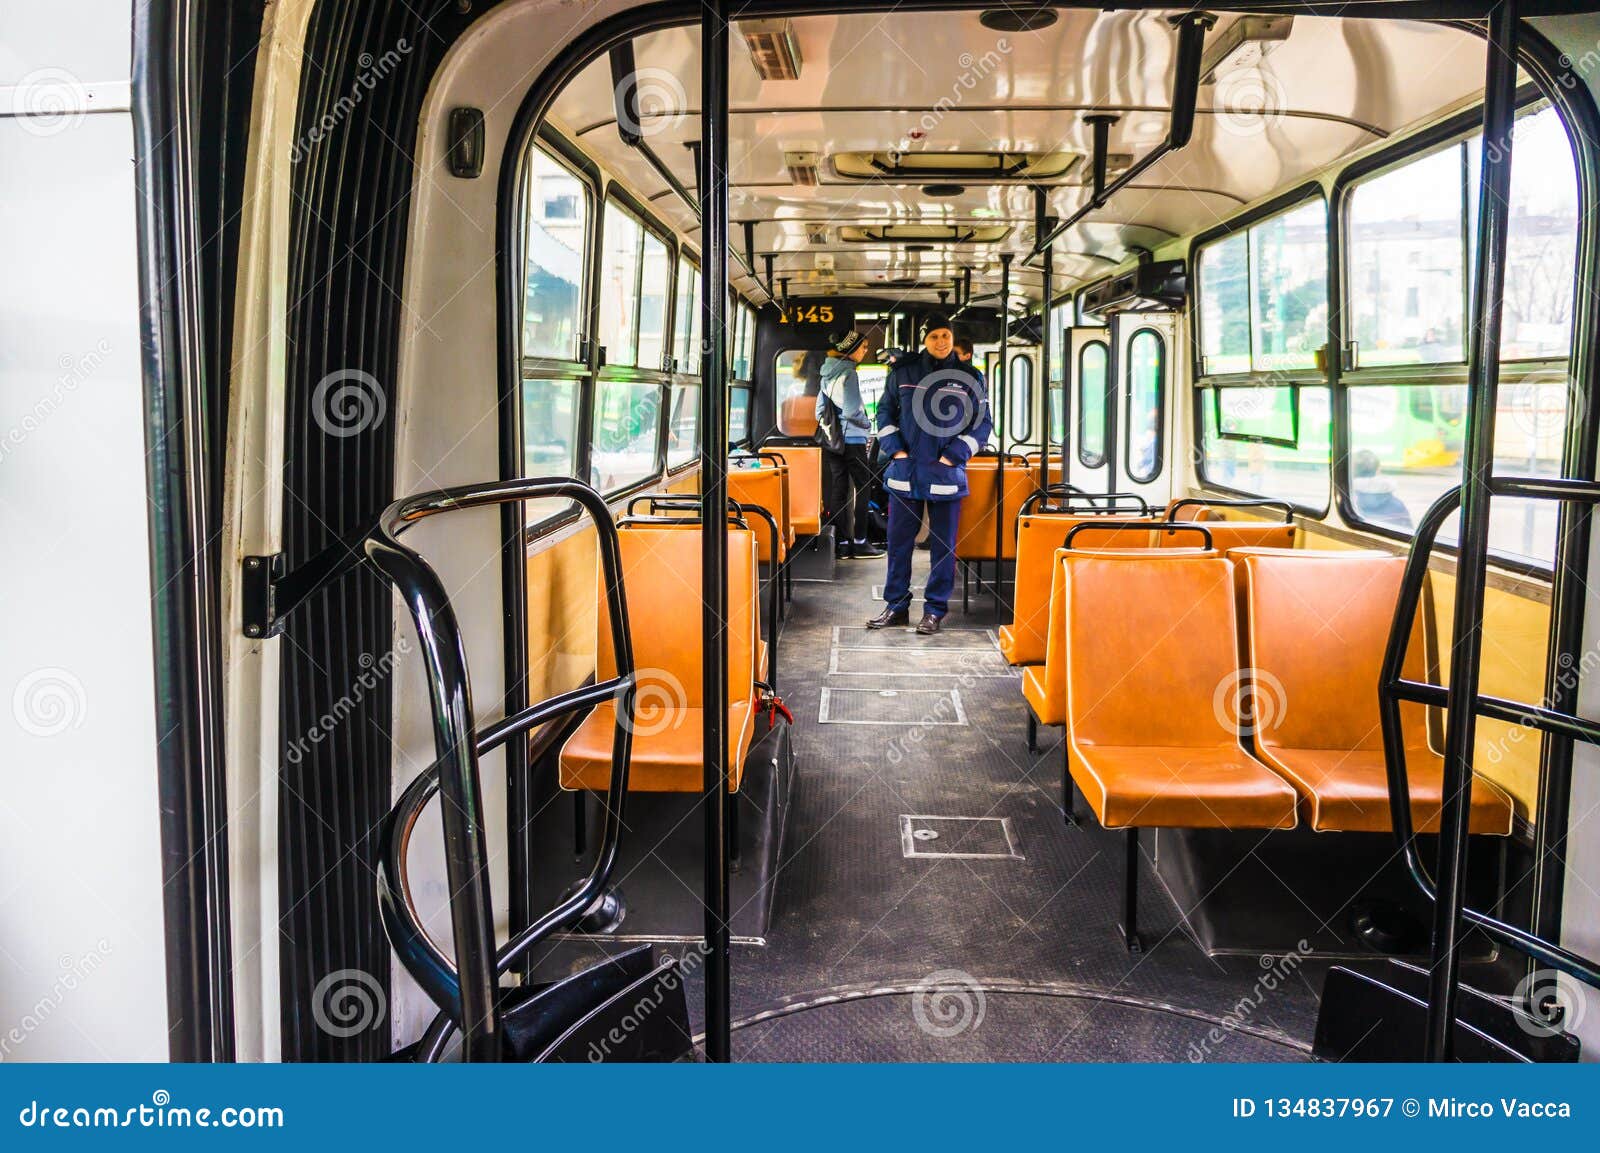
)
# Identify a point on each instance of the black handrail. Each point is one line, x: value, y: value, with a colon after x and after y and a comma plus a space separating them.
x: 1139, y: 526
x: 1213, y: 502
x: 1041, y: 497
x: 469, y: 993
x: 1393, y: 688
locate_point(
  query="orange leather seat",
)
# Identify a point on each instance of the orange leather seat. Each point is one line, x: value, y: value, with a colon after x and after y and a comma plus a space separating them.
x: 805, y: 486
x: 1145, y: 741
x: 1317, y: 630
x: 975, y: 525
x: 797, y: 416
x: 762, y: 487
x: 1039, y: 535
x: 661, y: 570
x: 1044, y: 686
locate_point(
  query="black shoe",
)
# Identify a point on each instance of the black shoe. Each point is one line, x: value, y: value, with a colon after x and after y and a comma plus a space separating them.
x: 929, y: 624
x: 865, y: 550
x: 889, y: 618
x: 925, y: 543
x: 845, y: 551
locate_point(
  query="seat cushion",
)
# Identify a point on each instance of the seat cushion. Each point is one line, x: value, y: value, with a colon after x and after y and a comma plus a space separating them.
x: 1347, y: 790
x: 1049, y: 712
x: 666, y: 755
x: 1205, y: 787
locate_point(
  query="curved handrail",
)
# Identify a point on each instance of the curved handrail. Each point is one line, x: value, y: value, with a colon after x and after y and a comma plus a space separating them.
x: 467, y: 991
x: 1138, y: 526
x: 1393, y: 688
x: 1210, y: 502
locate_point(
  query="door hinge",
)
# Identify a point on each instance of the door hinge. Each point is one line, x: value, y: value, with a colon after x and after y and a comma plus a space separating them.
x: 257, y: 593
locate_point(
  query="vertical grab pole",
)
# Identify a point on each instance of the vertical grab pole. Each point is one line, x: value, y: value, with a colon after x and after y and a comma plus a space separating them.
x: 713, y: 193
x: 1483, y: 375
x: 1041, y: 226
x: 998, y: 386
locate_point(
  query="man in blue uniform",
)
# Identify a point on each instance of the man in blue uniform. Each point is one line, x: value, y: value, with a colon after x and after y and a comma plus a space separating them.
x: 932, y: 417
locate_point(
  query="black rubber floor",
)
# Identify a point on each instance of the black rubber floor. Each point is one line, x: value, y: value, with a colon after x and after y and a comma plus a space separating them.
x: 854, y: 914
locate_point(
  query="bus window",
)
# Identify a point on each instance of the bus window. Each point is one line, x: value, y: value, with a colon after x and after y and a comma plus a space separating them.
x: 627, y: 417
x: 1224, y: 296
x: 683, y: 440
x: 1019, y: 419
x: 1147, y: 372
x: 797, y: 373
x: 1092, y: 405
x: 686, y: 321
x: 555, y: 241
x: 621, y: 236
x: 1264, y: 294
x: 738, y: 415
x: 744, y: 342
x: 1247, y: 456
x: 1060, y: 319
x: 655, y: 277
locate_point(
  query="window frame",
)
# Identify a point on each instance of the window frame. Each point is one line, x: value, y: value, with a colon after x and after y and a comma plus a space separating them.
x: 1161, y: 406
x: 1454, y: 130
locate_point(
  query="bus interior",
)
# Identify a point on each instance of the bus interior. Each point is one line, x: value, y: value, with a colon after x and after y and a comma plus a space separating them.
x: 1256, y: 728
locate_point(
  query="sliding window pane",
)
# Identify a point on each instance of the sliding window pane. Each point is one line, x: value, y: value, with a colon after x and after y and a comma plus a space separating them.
x: 555, y: 241
x: 1147, y: 372
x: 1298, y: 474
x: 738, y: 415
x: 549, y: 436
x: 619, y: 287
x: 1092, y: 405
x: 1019, y: 417
x: 1406, y: 285
x: 1289, y: 271
x: 686, y: 320
x: 627, y: 416
x: 656, y: 278
x: 1405, y: 451
x: 1225, y: 306
x: 682, y: 439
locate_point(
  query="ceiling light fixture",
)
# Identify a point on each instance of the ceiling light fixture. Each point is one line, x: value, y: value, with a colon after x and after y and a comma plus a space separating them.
x: 773, y: 48
x: 1243, y: 45
x: 1023, y: 19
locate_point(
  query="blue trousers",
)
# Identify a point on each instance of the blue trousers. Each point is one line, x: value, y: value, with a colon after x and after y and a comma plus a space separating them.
x: 905, y: 521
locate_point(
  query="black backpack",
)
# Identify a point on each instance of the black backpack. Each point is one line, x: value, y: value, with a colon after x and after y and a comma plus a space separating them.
x: 830, y: 426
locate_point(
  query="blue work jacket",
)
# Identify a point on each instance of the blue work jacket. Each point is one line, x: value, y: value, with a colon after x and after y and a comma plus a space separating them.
x: 931, y: 409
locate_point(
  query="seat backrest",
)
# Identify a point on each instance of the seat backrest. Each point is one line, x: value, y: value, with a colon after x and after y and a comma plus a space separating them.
x: 1317, y: 629
x: 1227, y: 535
x: 661, y: 576
x: 1039, y: 535
x: 975, y: 525
x: 1150, y: 643
x: 797, y: 416
x: 762, y: 487
x: 805, y: 480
